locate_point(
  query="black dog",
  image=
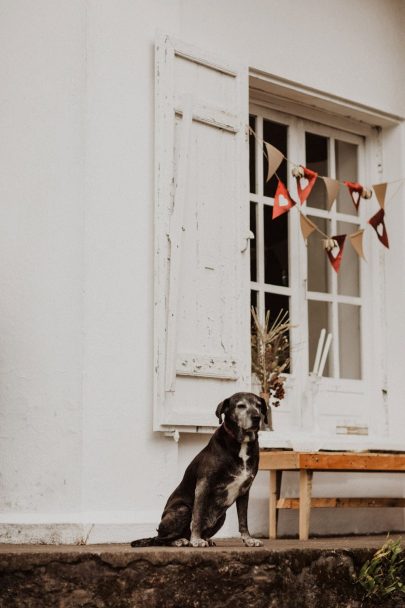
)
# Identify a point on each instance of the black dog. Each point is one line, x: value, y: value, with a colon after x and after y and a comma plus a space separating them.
x: 219, y: 475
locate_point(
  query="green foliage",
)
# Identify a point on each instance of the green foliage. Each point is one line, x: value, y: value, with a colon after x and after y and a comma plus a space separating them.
x: 384, y: 574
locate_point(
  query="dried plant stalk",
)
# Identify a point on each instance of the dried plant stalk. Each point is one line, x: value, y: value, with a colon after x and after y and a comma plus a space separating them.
x: 270, y: 355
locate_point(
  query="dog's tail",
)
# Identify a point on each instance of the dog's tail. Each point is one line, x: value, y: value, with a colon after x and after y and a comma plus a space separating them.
x: 155, y: 541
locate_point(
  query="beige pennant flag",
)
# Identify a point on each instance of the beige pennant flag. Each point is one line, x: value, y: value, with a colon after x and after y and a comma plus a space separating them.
x: 307, y: 227
x: 332, y: 189
x: 356, y: 240
x: 274, y: 158
x: 380, y: 191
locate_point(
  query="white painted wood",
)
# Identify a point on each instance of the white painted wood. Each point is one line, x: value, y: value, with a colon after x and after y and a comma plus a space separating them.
x: 175, y: 240
x: 202, y: 344
x: 298, y: 99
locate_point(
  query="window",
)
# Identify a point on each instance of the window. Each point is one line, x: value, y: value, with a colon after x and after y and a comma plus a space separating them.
x: 288, y: 274
x: 203, y: 269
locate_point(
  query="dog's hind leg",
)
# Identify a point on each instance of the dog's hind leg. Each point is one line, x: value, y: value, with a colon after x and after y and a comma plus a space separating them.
x: 175, y: 525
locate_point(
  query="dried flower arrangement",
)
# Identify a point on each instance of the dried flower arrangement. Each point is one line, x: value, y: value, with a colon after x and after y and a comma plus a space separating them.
x: 271, y: 356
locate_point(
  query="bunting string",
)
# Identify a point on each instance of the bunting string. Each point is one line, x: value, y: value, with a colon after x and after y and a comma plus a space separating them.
x: 342, y: 182
x: 305, y: 180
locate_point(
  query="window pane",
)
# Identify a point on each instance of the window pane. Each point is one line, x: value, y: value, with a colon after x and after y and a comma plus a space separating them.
x: 276, y: 304
x: 316, y: 153
x: 276, y: 135
x: 349, y: 341
x: 275, y: 248
x: 346, y: 170
x: 254, y: 303
x: 349, y: 273
x: 253, y: 298
x: 319, y: 317
x: 253, y: 246
x: 252, y: 154
x: 319, y: 278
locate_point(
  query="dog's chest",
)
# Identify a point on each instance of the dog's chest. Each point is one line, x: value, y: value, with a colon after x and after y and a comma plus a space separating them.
x: 242, y: 479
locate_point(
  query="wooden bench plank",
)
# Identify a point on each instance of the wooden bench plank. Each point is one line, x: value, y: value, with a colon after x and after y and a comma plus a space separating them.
x: 346, y: 461
x: 342, y: 503
x: 331, y: 461
x: 282, y: 461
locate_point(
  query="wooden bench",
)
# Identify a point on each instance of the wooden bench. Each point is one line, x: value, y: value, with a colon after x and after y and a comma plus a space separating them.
x: 276, y: 461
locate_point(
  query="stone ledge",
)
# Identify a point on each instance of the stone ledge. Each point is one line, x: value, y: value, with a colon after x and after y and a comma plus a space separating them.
x: 282, y: 574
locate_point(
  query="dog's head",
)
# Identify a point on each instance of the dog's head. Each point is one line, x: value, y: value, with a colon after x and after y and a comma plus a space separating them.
x: 243, y: 414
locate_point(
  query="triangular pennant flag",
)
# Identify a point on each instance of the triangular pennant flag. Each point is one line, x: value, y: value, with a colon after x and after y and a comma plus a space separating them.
x: 274, y: 157
x: 355, y: 190
x: 305, y: 183
x: 380, y: 191
x: 282, y: 200
x: 356, y: 240
x: 377, y: 222
x: 307, y: 227
x: 334, y: 250
x: 332, y: 189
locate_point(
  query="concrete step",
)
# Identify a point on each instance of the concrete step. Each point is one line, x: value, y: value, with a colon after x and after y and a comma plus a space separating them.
x: 282, y: 574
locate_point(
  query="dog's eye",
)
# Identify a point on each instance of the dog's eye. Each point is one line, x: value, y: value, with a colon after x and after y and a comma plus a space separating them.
x: 241, y: 406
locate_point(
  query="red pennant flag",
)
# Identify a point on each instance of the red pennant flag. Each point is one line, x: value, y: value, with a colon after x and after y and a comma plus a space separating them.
x: 334, y: 250
x: 377, y: 222
x: 282, y: 200
x: 355, y: 190
x: 305, y: 183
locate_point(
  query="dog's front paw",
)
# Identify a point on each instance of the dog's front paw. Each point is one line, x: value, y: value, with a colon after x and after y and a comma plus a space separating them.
x: 252, y: 542
x: 198, y: 542
x: 181, y: 542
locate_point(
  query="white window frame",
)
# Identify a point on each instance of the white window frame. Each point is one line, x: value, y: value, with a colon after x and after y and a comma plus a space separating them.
x: 371, y: 297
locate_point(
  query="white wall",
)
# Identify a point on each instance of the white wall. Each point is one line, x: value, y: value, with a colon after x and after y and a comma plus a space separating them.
x: 41, y: 242
x: 76, y: 273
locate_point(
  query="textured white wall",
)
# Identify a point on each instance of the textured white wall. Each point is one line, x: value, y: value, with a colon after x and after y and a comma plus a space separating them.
x: 42, y: 72
x: 351, y: 48
x: 76, y: 271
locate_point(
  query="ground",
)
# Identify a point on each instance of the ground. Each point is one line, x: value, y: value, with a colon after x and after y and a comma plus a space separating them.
x: 282, y: 574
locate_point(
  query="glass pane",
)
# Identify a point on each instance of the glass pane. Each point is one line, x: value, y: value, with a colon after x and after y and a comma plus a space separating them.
x: 316, y: 154
x: 253, y: 246
x: 349, y: 341
x: 254, y: 303
x: 319, y: 277
x: 319, y: 317
x: 275, y: 248
x: 276, y: 135
x: 346, y: 170
x: 349, y: 273
x: 252, y: 154
x: 276, y: 304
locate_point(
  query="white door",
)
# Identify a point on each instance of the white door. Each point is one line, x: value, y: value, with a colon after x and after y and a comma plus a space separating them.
x: 202, y: 349
x: 286, y: 273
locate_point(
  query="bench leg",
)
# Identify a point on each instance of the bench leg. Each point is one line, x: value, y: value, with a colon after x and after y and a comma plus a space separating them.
x: 274, y: 495
x: 305, y: 503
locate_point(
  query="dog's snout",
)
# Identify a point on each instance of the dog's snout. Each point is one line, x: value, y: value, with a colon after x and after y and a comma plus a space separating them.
x: 255, y: 419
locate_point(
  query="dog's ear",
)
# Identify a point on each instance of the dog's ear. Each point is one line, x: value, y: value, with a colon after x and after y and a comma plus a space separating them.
x: 222, y: 409
x: 264, y: 409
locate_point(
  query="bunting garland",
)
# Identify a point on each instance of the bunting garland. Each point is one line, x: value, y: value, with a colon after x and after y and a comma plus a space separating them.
x: 282, y: 200
x: 305, y: 180
x: 332, y: 189
x: 334, y: 250
x: 275, y: 158
x: 380, y: 191
x: 356, y: 240
x: 377, y: 222
x: 307, y: 227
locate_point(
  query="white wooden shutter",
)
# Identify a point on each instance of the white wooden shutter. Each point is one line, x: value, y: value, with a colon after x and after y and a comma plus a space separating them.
x: 202, y: 344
